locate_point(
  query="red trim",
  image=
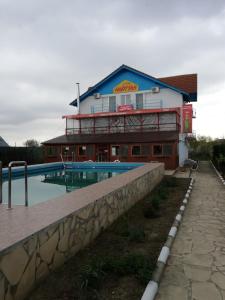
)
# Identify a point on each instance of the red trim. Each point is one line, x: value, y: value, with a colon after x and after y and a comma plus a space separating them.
x: 124, y: 113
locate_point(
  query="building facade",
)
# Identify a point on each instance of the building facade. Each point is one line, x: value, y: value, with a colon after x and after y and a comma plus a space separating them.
x: 129, y: 116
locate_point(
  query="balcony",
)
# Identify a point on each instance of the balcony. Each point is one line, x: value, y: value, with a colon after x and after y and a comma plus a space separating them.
x: 142, y: 122
x: 147, y: 104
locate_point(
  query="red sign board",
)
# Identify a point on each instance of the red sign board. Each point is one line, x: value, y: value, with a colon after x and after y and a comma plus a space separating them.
x: 125, y: 107
x: 187, y: 118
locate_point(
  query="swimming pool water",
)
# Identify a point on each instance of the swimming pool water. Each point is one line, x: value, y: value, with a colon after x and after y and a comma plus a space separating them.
x: 52, y: 184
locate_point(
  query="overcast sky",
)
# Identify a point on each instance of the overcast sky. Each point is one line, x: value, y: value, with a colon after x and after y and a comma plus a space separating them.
x: 46, y: 46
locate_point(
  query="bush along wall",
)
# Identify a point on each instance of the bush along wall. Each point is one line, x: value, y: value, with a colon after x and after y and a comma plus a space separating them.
x: 219, y: 157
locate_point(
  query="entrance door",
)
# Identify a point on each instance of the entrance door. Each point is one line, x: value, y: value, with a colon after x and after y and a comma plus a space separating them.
x: 102, y: 152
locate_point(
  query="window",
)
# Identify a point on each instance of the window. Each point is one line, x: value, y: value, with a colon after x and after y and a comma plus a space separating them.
x: 136, y: 150
x: 145, y: 150
x: 90, y: 150
x: 139, y: 101
x: 167, y: 150
x: 115, y: 150
x: 52, y: 151
x: 157, y: 150
x: 82, y: 150
x: 123, y: 152
x: 163, y: 150
x: 125, y: 99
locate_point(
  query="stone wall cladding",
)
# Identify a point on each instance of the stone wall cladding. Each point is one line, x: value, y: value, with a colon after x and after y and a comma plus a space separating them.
x: 25, y: 264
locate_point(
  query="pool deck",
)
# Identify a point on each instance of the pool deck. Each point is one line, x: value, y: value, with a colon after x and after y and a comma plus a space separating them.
x: 20, y: 222
x: 196, y: 267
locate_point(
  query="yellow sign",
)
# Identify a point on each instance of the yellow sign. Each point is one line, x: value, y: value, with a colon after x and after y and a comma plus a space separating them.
x: 125, y: 86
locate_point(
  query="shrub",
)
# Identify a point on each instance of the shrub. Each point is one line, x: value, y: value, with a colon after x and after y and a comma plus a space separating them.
x: 156, y: 202
x: 132, y: 264
x: 170, y: 182
x: 91, y: 275
x: 136, y: 234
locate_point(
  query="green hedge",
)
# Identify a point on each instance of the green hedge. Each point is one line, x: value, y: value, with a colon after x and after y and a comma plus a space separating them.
x: 219, y: 156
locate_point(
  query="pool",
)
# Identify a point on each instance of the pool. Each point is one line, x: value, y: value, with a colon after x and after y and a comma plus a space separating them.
x: 48, y: 181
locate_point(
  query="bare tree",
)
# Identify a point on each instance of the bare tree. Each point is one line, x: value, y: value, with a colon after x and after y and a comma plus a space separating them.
x: 31, y: 143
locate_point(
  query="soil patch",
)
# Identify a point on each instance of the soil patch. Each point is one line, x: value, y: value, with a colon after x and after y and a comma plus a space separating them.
x: 119, y: 263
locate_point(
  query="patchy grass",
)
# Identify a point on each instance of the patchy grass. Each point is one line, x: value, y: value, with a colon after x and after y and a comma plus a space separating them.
x: 119, y: 263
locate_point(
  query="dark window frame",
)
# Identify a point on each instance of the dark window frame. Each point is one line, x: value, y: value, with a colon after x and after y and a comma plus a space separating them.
x: 132, y: 147
x: 52, y: 151
x: 80, y: 146
x: 116, y: 151
x: 162, y: 152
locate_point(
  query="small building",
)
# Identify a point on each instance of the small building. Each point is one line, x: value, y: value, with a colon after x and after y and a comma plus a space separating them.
x: 130, y: 116
x: 3, y: 142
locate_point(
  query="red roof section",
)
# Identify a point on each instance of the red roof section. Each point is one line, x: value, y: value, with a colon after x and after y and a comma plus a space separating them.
x: 187, y: 83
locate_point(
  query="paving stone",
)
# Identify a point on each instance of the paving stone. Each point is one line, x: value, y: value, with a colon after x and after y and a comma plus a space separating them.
x: 175, y: 276
x: 205, y: 291
x: 48, y: 248
x: 31, y: 245
x: 42, y: 271
x: 18, y: 258
x: 27, y: 281
x: 219, y: 258
x: 182, y: 246
x: 172, y: 292
x: 8, y: 295
x: 197, y: 274
x: 58, y: 260
x: 219, y: 279
x: 204, y: 260
x: 64, y: 242
x: 2, y: 286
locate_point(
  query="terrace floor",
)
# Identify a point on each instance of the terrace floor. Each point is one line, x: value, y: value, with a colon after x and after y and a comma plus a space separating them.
x: 196, y: 267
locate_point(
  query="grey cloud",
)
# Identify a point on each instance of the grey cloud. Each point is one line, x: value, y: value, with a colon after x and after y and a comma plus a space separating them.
x: 47, y: 46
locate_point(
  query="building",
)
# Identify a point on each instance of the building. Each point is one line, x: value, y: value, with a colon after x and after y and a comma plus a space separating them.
x: 130, y: 116
x: 3, y: 142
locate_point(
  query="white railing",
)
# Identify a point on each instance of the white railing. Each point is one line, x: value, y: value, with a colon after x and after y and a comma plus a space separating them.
x: 147, y: 104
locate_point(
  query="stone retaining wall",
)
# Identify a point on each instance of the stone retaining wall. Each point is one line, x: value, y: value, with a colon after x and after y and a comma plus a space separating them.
x: 25, y: 264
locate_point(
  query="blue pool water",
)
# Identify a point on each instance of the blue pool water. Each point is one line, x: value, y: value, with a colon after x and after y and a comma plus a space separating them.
x: 51, y: 184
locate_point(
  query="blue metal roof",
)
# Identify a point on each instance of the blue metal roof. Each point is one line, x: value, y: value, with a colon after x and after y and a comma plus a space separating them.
x: 112, y: 75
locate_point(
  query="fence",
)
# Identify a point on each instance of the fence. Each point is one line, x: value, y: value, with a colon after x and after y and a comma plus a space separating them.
x: 32, y: 155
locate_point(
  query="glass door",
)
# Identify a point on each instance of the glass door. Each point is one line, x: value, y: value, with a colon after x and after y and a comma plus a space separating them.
x: 112, y: 103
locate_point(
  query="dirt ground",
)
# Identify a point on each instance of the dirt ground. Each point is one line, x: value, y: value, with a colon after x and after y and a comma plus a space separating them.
x: 119, y: 263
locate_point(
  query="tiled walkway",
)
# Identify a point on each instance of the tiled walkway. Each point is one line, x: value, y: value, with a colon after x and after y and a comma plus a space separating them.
x: 196, y: 267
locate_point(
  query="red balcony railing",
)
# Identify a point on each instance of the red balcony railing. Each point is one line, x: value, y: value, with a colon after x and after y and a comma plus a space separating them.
x: 124, y: 129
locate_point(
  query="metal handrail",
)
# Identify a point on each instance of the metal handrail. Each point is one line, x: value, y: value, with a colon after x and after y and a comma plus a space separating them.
x: 12, y: 164
x: 0, y: 182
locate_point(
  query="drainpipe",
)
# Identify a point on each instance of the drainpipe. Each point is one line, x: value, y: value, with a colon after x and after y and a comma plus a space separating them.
x: 78, y: 97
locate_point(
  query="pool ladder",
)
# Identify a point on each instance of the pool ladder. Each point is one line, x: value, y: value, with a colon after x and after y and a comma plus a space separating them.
x: 12, y: 164
x: 0, y: 182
